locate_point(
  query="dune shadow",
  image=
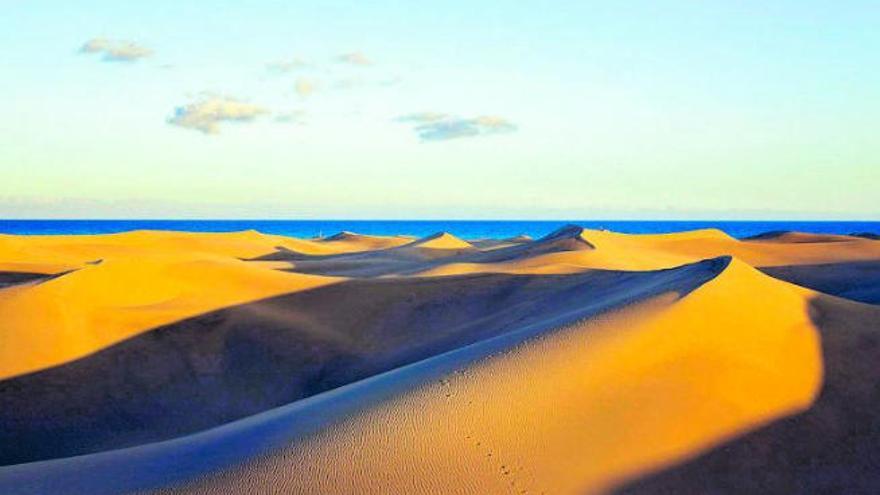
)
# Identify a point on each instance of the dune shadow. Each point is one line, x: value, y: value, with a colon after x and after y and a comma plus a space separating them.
x: 856, y: 280
x: 794, y: 237
x: 833, y: 447
x: 867, y: 235
x: 415, y: 257
x: 238, y: 361
x: 8, y: 279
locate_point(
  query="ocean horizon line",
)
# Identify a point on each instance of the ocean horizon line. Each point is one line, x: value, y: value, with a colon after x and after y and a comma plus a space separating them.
x: 469, y: 229
x: 452, y: 219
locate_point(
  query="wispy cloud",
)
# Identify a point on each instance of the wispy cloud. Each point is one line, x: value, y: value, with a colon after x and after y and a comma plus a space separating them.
x: 433, y: 126
x: 205, y: 115
x: 116, y: 50
x: 422, y: 117
x: 284, y: 66
x: 354, y: 58
x: 493, y: 123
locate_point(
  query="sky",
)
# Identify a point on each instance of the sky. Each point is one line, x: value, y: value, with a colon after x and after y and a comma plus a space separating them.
x: 457, y: 109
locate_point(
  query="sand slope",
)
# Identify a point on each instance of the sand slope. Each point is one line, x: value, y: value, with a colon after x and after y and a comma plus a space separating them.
x: 73, y: 315
x: 227, y: 364
x: 620, y: 388
x: 583, y: 361
x: 832, y: 447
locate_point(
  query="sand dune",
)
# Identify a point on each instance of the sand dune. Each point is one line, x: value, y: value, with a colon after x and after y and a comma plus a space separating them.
x: 441, y: 240
x: 8, y: 279
x: 224, y: 365
x: 867, y: 235
x: 855, y: 280
x: 832, y: 447
x: 54, y: 254
x: 583, y: 361
x: 351, y: 242
x: 620, y: 386
x: 87, y: 309
x: 496, y: 243
x: 410, y: 256
x: 797, y: 237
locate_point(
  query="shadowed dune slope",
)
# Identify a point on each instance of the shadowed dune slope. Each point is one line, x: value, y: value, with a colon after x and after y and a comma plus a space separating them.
x: 867, y: 235
x: 572, y: 249
x: 579, y: 410
x: 442, y: 254
x: 238, y: 361
x: 855, y: 280
x: 610, y: 250
x: 566, y: 239
x: 510, y: 257
x: 409, y: 257
x: 351, y: 242
x: 496, y: 243
x: 787, y: 236
x: 833, y: 447
x: 583, y: 405
x: 8, y: 279
x: 80, y: 312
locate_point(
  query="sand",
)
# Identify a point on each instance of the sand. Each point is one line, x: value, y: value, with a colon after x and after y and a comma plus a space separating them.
x: 582, y: 362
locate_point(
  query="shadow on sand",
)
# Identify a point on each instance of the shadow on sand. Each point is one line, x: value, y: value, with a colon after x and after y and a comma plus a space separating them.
x: 856, y: 280
x: 834, y: 447
x: 238, y: 361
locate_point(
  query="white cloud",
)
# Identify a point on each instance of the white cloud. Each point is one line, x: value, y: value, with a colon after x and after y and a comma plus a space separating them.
x: 433, y: 126
x: 116, y: 50
x: 422, y: 117
x: 205, y: 114
x: 283, y: 66
x: 493, y: 123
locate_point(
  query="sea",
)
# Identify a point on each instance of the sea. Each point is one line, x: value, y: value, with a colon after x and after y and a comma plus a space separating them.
x: 466, y: 229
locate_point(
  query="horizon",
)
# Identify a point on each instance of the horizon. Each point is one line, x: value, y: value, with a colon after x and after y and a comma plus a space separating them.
x: 463, y: 228
x: 534, y: 220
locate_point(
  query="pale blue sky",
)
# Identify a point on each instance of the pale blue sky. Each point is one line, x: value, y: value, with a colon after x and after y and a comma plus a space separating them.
x: 464, y: 109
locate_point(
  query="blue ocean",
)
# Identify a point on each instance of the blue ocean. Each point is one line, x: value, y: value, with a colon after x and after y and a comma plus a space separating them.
x: 467, y: 229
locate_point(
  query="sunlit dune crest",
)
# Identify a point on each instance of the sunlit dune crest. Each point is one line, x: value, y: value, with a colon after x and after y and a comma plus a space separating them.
x: 583, y: 361
x: 441, y: 240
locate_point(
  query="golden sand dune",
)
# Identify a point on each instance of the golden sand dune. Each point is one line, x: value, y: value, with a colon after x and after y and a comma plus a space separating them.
x: 641, y: 251
x: 583, y: 361
x: 241, y: 360
x: 115, y: 286
x: 54, y: 254
x: 578, y: 410
x: 610, y: 250
x: 788, y: 236
x: 351, y: 242
x: 87, y: 309
x: 498, y: 243
x: 441, y: 240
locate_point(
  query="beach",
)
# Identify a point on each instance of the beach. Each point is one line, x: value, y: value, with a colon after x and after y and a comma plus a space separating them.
x: 580, y: 361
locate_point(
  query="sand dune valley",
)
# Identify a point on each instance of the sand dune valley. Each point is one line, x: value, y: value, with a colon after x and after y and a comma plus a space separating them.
x: 585, y: 361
